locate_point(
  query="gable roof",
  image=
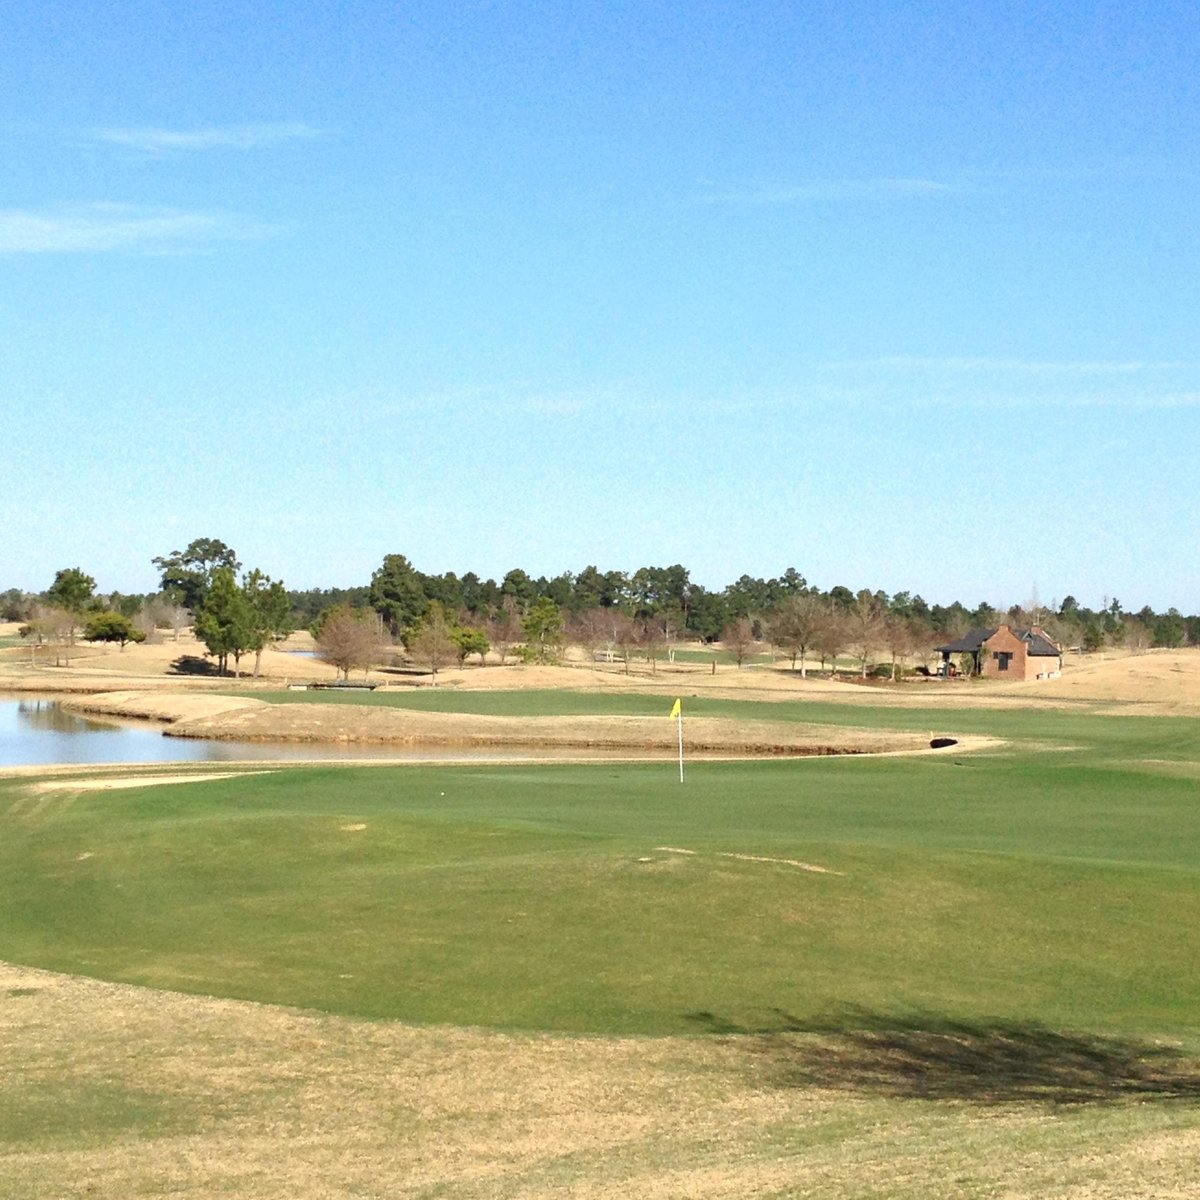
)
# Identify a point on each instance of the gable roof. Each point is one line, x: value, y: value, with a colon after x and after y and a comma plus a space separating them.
x: 1037, y: 643
x: 969, y: 642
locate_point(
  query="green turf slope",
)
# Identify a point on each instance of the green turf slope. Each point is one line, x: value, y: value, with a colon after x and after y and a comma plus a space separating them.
x: 1028, y: 885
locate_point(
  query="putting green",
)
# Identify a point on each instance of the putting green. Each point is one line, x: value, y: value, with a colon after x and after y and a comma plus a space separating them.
x: 1031, y: 884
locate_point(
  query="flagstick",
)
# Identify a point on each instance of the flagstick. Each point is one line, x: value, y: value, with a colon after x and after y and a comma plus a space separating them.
x: 681, y: 745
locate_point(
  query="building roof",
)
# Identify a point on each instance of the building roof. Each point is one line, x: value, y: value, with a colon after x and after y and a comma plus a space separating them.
x: 969, y: 642
x: 1037, y: 643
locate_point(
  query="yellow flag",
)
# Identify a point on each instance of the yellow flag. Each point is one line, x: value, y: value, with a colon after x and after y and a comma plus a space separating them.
x: 677, y: 708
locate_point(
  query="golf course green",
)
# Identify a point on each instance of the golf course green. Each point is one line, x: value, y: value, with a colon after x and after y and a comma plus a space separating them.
x: 1052, y: 879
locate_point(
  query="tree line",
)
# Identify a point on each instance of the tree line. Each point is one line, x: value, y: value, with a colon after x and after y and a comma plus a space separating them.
x: 648, y: 612
x: 200, y: 587
x: 652, y: 609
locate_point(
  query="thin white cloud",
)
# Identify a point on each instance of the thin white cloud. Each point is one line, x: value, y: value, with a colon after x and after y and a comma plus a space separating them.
x: 1045, y: 401
x: 809, y: 190
x: 566, y: 405
x: 1034, y: 367
x: 1012, y: 383
x: 505, y: 399
x: 217, y: 137
x: 95, y: 228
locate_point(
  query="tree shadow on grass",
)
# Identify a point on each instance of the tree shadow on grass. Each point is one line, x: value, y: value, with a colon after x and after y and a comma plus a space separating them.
x: 192, y: 664
x: 924, y: 1056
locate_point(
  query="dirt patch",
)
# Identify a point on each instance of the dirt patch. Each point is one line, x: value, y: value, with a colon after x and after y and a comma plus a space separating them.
x: 787, y: 862
x: 113, y: 782
x: 756, y: 858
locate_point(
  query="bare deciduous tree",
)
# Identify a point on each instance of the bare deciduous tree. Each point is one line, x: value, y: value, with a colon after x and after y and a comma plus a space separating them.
x: 588, y: 631
x: 179, y: 618
x: 793, y: 628
x: 147, y: 626
x: 505, y: 628
x: 902, y: 637
x: 1137, y: 636
x: 673, y: 622
x: 865, y: 627
x: 162, y: 613
x: 832, y: 637
x: 53, y: 627
x: 738, y: 638
x: 624, y: 635
x: 650, y: 638
x: 925, y: 641
x: 431, y: 641
x: 349, y: 639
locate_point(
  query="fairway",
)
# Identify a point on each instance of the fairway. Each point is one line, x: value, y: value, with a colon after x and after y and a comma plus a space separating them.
x: 1052, y: 881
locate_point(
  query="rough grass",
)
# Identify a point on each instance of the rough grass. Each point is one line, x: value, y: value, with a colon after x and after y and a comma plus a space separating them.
x: 113, y: 1091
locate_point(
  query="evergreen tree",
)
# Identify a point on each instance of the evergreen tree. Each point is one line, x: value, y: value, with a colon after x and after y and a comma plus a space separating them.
x: 71, y: 589
x: 270, y: 612
x: 396, y: 593
x: 225, y: 622
x: 544, y: 630
x: 111, y: 626
x: 188, y: 574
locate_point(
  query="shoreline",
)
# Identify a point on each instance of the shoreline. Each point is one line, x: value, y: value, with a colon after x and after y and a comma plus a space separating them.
x: 247, y: 719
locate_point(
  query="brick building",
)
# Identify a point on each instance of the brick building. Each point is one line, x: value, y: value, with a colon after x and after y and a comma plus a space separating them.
x: 1007, y: 653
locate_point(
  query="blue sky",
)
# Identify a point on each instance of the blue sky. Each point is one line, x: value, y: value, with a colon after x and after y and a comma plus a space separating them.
x: 902, y: 295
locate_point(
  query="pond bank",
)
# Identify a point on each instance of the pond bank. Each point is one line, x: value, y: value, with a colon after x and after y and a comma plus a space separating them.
x: 246, y: 719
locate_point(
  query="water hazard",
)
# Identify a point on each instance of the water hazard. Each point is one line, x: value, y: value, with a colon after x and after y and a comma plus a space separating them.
x: 40, y: 732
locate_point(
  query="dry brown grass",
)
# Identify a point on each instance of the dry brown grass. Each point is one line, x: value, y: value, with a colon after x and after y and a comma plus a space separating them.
x: 1162, y: 682
x: 107, y: 666
x: 113, y: 1091
x: 1160, y: 679
x: 1166, y: 681
x: 246, y: 719
x: 108, y: 783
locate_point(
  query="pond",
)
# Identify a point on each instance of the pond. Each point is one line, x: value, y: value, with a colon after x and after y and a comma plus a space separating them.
x: 40, y: 732
x: 37, y: 731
